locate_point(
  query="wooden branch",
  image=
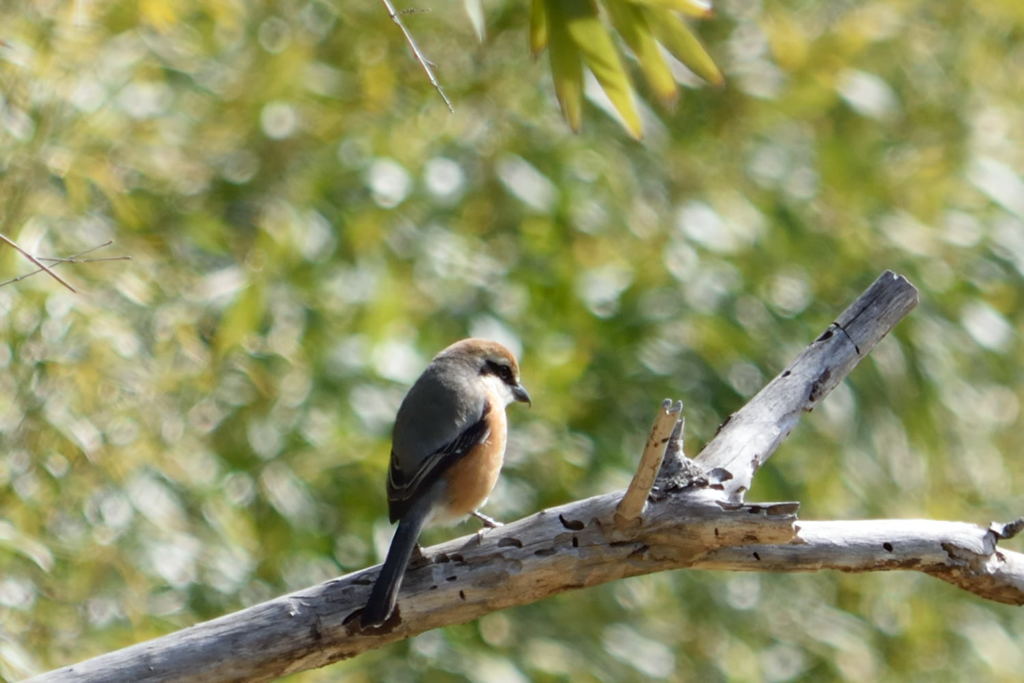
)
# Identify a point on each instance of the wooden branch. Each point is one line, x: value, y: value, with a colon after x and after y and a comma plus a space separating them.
x: 964, y: 555
x: 687, y: 522
x: 750, y: 435
x: 572, y: 546
x: 631, y: 507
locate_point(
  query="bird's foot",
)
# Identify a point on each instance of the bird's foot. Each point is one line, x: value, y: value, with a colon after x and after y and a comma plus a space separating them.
x: 488, y: 522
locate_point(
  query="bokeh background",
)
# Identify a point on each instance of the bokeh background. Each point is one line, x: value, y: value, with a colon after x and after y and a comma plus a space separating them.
x: 205, y: 426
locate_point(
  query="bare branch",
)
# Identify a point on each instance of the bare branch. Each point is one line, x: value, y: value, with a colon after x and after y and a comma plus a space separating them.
x: 749, y: 437
x: 74, y: 258
x: 572, y: 546
x: 424, y: 62
x: 692, y: 522
x: 964, y: 555
x: 33, y: 259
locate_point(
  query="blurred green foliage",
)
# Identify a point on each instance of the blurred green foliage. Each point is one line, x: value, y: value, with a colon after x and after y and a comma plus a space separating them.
x: 574, y: 31
x: 206, y: 426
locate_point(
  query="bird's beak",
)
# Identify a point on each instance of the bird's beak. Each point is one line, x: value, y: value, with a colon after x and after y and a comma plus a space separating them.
x: 520, y: 393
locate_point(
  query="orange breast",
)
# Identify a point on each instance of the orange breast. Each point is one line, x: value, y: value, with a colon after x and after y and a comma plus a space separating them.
x: 472, y: 478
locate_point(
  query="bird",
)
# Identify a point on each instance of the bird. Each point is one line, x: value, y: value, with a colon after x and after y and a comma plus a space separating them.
x: 447, y: 449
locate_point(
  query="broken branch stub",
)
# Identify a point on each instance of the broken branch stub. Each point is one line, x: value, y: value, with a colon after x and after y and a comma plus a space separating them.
x: 631, y: 507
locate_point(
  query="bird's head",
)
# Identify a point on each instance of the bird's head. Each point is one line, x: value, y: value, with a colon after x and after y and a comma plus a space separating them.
x: 494, y: 363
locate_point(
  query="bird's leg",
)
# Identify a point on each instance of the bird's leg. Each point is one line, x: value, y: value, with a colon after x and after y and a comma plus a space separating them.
x: 488, y: 522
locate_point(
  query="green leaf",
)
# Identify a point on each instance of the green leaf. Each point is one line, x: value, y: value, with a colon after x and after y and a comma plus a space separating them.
x: 693, y: 8
x: 631, y: 23
x: 243, y: 316
x: 678, y: 39
x: 538, y: 27
x: 566, y: 66
x: 599, y: 53
x: 15, y: 541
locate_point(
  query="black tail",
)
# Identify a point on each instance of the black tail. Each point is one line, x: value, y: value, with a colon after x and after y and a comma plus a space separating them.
x: 385, y: 590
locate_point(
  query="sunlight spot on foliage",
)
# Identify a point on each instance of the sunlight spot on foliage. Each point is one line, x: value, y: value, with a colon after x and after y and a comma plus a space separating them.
x: 314, y: 236
x: 350, y: 285
x: 347, y: 356
x: 986, y: 326
x: 239, y: 489
x: 991, y: 642
x: 102, y: 610
x: 264, y: 437
x: 288, y: 494
x: 15, y: 661
x: 699, y: 221
x: 961, y: 228
x: 239, y: 167
x: 867, y: 94
x: 12, y: 539
x: 85, y: 434
x: 526, y: 183
x: 174, y: 559
x: 115, y: 511
x: 219, y: 287
x: 389, y: 182
x: 444, y: 178
x: 644, y: 654
x: 782, y: 662
x: 274, y: 34
x: 711, y: 285
x: 681, y: 260
x: 279, y: 120
x: 551, y: 657
x: 156, y: 501
x: 452, y: 258
x: 743, y: 591
x: 16, y: 122
x: 145, y: 100
x: 748, y: 59
x: 375, y: 406
x: 397, y: 359
x: 491, y: 669
x: 745, y: 379
x: 999, y: 182
x: 892, y: 448
x: 789, y: 292
x: 601, y: 287
x: 228, y: 567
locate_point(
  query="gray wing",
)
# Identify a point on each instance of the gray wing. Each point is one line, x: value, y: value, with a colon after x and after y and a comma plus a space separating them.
x: 436, y: 425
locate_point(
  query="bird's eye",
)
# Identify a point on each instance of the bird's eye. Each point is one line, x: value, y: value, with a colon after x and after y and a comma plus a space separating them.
x: 502, y: 371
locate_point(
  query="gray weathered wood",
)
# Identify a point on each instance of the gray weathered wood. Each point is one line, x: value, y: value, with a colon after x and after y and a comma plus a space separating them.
x: 692, y: 522
x: 965, y: 555
x: 573, y: 546
x: 751, y: 434
x: 631, y: 506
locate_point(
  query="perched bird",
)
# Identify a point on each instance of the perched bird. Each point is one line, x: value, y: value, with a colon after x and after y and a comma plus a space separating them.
x: 447, y: 448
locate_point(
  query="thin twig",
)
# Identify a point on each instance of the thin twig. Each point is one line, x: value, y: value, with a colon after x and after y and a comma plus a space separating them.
x: 74, y: 258
x: 424, y: 62
x: 33, y: 259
